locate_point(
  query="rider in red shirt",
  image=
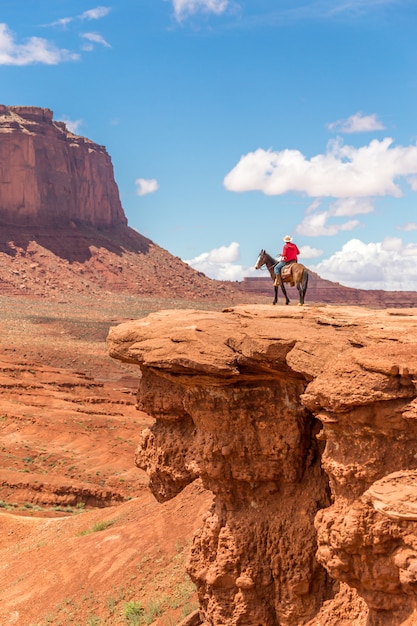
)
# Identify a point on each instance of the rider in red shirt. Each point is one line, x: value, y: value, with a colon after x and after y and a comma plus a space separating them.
x: 289, y: 254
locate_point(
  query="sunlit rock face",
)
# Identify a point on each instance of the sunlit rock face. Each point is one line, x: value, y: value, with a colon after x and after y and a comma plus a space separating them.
x: 302, y: 424
x: 368, y: 537
x: 52, y: 177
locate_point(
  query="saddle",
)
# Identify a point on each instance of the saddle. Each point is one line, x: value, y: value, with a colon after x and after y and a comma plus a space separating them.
x: 286, y: 273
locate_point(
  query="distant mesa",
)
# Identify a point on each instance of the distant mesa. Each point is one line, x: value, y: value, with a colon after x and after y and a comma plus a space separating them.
x: 52, y: 177
x: 326, y: 292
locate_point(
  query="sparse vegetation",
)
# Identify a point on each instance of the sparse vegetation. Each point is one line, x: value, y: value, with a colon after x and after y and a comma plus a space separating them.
x: 98, y: 526
x: 133, y: 613
x: 152, y: 611
x: 182, y: 593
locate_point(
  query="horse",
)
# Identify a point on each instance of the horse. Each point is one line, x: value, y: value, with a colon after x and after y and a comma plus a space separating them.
x: 297, y: 276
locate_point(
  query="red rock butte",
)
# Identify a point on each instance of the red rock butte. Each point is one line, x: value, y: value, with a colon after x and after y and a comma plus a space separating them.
x: 52, y: 177
x: 302, y: 422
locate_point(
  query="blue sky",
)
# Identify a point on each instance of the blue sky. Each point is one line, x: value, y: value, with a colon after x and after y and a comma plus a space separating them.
x: 231, y: 124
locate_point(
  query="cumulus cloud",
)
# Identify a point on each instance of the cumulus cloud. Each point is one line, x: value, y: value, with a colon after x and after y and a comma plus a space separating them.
x: 95, y: 38
x: 412, y: 181
x: 221, y: 263
x: 316, y: 225
x: 33, y: 50
x: 357, y: 123
x: 390, y: 265
x: 308, y: 252
x: 407, y: 226
x: 319, y: 223
x: 146, y: 186
x: 351, y: 206
x: 343, y: 171
x: 183, y: 8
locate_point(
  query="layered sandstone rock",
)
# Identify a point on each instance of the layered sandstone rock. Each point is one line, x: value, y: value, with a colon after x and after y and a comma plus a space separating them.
x: 49, y: 176
x: 302, y: 422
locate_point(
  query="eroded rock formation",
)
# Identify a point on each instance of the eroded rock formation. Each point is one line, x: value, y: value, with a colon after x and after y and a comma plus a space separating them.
x: 50, y: 176
x: 302, y: 422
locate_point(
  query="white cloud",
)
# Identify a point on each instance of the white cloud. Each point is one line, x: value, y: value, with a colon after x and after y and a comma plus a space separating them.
x: 357, y: 123
x: 95, y: 14
x: 407, y: 226
x: 342, y: 172
x: 64, y: 21
x: 392, y: 244
x: 351, y: 206
x: 308, y: 252
x: 90, y: 14
x: 411, y: 250
x: 146, y: 186
x: 389, y: 265
x: 315, y: 225
x: 95, y: 38
x: 412, y: 181
x: 220, y: 263
x: 34, y: 50
x: 72, y: 125
x: 182, y: 8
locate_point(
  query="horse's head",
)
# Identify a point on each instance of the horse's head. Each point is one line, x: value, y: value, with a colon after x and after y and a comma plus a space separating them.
x: 261, y: 260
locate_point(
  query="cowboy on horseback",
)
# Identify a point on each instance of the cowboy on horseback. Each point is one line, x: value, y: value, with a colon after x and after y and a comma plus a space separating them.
x: 289, y: 254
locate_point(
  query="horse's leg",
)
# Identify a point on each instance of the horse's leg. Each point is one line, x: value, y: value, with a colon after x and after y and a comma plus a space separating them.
x: 300, y: 291
x: 305, y: 283
x: 287, y: 300
x: 275, y: 295
x: 302, y: 287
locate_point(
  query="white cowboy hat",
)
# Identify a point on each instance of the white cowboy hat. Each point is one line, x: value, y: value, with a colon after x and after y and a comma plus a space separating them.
x: 287, y: 238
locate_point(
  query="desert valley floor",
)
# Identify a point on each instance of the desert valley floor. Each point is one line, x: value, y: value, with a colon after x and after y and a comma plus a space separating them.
x: 82, y: 541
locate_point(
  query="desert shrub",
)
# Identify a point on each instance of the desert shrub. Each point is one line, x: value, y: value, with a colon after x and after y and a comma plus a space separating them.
x: 133, y: 613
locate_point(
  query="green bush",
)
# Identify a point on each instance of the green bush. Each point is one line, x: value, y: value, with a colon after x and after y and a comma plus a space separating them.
x: 133, y: 612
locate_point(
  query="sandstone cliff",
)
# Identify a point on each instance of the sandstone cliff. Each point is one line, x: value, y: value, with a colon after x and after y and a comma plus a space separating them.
x: 302, y: 422
x: 49, y: 176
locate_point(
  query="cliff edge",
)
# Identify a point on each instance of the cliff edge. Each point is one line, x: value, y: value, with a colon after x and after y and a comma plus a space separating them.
x: 302, y: 422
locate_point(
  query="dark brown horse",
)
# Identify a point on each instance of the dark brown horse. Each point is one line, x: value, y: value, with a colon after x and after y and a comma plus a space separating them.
x: 298, y: 276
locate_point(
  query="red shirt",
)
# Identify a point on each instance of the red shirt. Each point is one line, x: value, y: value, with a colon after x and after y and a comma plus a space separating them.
x: 290, y: 252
